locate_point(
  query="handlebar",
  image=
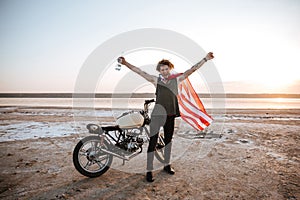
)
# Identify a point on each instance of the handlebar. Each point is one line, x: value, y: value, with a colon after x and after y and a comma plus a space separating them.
x: 146, y: 104
x: 149, y: 101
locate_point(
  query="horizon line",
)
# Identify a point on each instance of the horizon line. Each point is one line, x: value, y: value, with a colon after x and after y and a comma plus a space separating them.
x: 142, y: 95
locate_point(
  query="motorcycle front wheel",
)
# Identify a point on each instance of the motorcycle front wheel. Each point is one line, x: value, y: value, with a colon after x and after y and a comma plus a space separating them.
x: 88, y: 158
x: 159, y: 149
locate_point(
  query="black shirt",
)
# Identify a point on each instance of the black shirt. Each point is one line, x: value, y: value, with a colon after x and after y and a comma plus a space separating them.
x: 166, y: 96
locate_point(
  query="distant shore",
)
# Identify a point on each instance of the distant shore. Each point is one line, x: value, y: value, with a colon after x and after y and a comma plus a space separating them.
x: 19, y: 123
x: 141, y: 95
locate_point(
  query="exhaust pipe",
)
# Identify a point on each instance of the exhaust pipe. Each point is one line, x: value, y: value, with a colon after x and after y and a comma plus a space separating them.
x: 127, y: 158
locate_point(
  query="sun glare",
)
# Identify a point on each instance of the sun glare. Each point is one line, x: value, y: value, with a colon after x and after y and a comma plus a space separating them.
x: 274, y: 83
x: 278, y: 100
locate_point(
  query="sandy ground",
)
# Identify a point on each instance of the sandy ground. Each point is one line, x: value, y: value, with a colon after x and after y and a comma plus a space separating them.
x: 256, y: 157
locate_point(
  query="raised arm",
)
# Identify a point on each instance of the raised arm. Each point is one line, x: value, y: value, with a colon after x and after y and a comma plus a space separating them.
x: 152, y: 79
x: 188, y: 72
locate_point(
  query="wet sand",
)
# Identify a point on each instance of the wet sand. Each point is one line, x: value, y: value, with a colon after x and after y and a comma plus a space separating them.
x: 257, y: 156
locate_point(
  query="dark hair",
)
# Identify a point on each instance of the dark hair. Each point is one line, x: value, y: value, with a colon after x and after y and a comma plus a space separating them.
x: 164, y: 62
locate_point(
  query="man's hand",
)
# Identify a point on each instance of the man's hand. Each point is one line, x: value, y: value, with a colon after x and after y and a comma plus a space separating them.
x: 122, y: 60
x: 188, y: 72
x: 148, y: 77
x: 209, y: 56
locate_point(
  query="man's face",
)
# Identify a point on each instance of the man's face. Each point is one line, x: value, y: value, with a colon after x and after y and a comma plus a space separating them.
x: 164, y: 71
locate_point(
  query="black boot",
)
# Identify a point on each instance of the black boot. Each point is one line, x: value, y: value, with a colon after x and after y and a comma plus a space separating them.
x: 169, y: 169
x: 149, y: 177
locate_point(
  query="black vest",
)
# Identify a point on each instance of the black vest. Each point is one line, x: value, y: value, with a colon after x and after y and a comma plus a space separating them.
x: 166, y: 96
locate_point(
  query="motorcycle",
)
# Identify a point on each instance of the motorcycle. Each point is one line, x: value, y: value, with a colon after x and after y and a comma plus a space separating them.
x: 93, y: 155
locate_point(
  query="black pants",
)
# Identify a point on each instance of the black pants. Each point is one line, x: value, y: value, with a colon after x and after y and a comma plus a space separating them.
x: 156, y: 122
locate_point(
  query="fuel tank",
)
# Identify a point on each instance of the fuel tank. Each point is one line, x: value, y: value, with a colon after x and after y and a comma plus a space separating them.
x: 132, y: 119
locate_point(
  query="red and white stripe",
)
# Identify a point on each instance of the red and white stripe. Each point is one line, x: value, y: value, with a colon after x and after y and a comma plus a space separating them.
x: 191, y: 108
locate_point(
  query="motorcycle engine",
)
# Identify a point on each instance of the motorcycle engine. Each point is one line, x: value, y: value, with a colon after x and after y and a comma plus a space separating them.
x: 131, y: 143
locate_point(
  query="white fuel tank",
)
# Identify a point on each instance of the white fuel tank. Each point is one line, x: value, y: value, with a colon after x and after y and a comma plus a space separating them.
x: 131, y: 119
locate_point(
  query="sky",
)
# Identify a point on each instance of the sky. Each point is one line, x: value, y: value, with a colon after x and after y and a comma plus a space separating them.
x: 45, y: 43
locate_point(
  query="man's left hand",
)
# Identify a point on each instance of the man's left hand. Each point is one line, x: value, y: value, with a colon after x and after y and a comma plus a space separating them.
x: 209, y: 56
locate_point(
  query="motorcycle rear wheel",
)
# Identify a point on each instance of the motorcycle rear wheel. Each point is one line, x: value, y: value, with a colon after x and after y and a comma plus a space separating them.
x: 88, y: 158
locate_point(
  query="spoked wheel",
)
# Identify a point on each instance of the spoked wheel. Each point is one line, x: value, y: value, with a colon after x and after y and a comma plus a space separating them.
x: 159, y: 149
x: 88, y: 158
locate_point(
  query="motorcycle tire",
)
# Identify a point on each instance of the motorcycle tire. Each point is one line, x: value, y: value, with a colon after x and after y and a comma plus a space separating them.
x: 159, y: 149
x: 92, y: 157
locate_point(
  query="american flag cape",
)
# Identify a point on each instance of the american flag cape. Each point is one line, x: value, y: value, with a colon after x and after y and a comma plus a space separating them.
x: 191, y: 108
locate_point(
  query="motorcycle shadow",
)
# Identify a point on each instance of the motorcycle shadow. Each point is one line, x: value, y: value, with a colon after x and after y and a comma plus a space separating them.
x: 112, y: 185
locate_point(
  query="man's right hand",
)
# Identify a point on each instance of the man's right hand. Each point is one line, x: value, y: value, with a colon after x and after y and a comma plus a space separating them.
x: 148, y: 77
x: 122, y: 60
